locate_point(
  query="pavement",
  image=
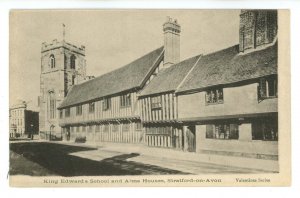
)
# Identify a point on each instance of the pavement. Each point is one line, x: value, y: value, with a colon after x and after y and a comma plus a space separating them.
x: 194, y: 163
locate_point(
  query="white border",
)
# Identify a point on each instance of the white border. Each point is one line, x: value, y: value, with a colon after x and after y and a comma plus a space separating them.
x: 294, y: 6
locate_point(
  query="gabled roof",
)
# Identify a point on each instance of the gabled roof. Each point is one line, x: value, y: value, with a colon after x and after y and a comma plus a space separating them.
x: 170, y: 78
x: 229, y: 66
x: 125, y: 78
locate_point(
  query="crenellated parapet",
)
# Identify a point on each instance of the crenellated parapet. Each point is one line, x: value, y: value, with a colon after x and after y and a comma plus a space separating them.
x: 55, y: 44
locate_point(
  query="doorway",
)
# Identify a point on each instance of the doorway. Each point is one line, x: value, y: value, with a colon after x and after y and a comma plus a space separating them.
x: 191, y: 138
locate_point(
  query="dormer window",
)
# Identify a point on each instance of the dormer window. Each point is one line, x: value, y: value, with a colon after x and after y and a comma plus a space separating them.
x: 73, y: 62
x: 52, y: 61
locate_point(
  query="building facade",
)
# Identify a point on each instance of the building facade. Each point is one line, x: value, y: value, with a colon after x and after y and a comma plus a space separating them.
x: 107, y: 108
x: 22, y: 122
x: 224, y: 102
x: 229, y: 102
x: 62, y: 66
x: 159, y: 106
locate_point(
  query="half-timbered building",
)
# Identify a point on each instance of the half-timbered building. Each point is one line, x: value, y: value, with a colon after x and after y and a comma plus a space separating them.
x: 222, y: 102
x: 106, y: 108
x: 159, y: 109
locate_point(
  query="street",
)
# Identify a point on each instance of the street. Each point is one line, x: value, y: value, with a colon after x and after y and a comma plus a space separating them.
x: 45, y: 159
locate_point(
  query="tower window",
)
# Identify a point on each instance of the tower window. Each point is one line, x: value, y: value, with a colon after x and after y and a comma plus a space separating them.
x: 52, y: 61
x: 52, y: 106
x: 65, y: 62
x: 73, y: 61
x: 73, y: 80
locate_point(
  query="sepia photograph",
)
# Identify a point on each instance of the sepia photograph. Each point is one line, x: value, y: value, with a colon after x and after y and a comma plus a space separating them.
x: 141, y: 97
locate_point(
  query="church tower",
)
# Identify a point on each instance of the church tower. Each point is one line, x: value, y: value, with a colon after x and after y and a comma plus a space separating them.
x: 62, y: 66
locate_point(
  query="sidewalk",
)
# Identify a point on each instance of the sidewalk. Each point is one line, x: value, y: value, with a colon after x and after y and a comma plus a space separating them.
x: 164, y: 153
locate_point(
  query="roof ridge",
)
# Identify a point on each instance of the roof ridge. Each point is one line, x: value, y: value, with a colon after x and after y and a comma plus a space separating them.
x: 120, y: 67
x: 221, y: 50
x: 200, y: 56
x: 156, y: 60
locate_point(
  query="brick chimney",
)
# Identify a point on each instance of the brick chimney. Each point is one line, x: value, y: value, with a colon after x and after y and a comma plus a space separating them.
x: 257, y: 28
x: 171, y: 42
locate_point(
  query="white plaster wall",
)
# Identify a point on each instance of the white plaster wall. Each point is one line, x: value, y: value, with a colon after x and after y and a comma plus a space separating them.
x: 237, y: 100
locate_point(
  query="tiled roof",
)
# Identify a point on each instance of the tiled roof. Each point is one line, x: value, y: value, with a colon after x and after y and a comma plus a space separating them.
x: 125, y: 78
x: 170, y: 78
x: 229, y: 66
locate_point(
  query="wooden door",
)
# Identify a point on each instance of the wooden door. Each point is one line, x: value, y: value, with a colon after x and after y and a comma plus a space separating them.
x: 191, y: 139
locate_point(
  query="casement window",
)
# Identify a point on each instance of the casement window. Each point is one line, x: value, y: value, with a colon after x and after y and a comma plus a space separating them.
x: 222, y: 131
x: 67, y: 112
x: 265, y: 129
x: 156, y: 102
x: 61, y: 113
x: 115, y: 128
x: 78, y: 129
x: 79, y: 110
x: 267, y: 88
x: 159, y: 131
x: 52, y: 61
x: 106, y: 103
x: 138, y: 126
x: 125, y: 100
x: 83, y: 128
x: 214, y: 96
x: 91, y: 107
x: 125, y: 127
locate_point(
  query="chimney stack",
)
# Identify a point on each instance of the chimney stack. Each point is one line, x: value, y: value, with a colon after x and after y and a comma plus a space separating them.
x: 171, y: 42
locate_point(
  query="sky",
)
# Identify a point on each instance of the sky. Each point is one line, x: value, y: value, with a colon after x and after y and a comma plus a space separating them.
x: 112, y: 39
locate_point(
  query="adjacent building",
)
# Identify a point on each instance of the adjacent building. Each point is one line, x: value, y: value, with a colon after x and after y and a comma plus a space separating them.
x: 22, y: 122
